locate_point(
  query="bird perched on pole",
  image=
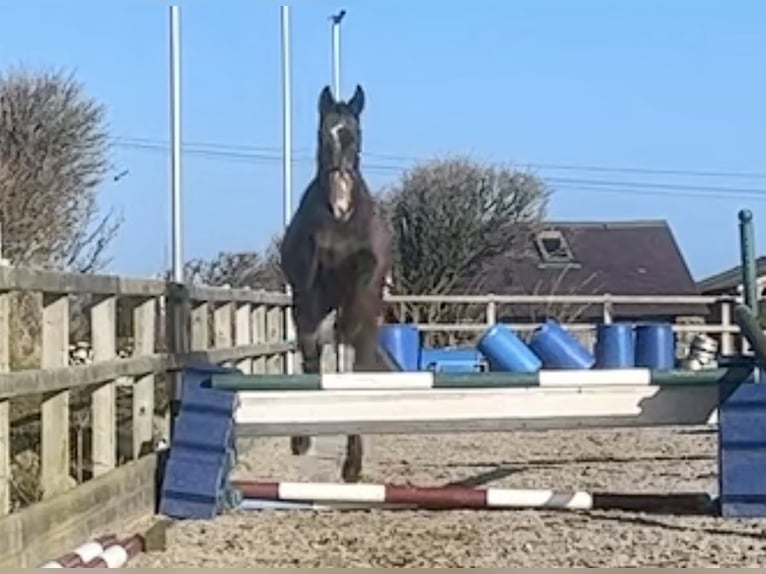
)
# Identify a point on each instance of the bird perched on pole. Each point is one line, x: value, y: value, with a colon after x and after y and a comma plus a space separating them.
x: 338, y: 17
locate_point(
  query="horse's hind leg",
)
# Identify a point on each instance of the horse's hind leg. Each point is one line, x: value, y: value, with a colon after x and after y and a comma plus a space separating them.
x: 352, y: 465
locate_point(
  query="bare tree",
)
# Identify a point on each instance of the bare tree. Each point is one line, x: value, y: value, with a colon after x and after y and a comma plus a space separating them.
x: 239, y: 269
x: 53, y: 157
x: 451, y: 218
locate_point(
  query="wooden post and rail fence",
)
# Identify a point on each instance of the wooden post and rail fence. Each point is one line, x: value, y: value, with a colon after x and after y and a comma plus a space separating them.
x: 86, y: 475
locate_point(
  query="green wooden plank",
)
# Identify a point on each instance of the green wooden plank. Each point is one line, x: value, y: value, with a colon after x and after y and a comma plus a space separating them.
x: 486, y: 380
x: 266, y: 382
x: 719, y: 376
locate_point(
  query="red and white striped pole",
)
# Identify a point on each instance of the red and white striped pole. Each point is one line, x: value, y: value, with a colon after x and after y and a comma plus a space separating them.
x: 117, y: 555
x: 293, y: 494
x: 83, y: 553
x: 421, y: 496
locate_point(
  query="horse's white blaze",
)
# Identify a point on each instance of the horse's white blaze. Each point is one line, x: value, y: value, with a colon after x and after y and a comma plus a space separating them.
x: 341, y: 184
x: 335, y: 132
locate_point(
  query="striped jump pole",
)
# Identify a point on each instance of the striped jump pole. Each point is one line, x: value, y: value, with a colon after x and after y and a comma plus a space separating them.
x: 324, y: 496
x: 83, y: 554
x: 426, y: 380
x: 451, y: 497
x: 118, y: 554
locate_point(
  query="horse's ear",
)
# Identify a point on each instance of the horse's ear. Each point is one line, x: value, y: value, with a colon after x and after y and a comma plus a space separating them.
x: 326, y: 100
x: 356, y: 103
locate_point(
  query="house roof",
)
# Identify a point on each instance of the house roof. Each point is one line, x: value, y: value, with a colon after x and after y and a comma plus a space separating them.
x: 620, y: 258
x: 726, y: 282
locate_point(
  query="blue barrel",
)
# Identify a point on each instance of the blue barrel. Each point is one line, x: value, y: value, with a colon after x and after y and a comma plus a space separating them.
x: 506, y: 352
x: 451, y: 359
x: 402, y: 341
x: 655, y: 346
x: 615, y: 346
x: 558, y: 349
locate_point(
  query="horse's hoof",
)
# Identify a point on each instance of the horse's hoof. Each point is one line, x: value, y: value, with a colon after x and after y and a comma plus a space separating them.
x: 300, y: 445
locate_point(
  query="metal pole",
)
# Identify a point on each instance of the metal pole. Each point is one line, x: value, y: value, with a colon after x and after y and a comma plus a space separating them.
x: 343, y: 362
x: 336, y: 20
x: 287, y: 175
x: 287, y: 208
x: 175, y: 141
x: 747, y: 254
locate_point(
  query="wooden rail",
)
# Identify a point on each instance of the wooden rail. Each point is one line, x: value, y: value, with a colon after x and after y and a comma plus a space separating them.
x: 170, y: 326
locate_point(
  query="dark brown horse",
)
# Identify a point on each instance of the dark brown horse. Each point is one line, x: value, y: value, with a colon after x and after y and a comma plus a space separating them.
x: 336, y: 254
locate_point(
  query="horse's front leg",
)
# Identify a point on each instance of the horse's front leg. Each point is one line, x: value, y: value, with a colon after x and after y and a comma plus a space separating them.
x: 311, y: 354
x: 307, y: 319
x: 358, y: 327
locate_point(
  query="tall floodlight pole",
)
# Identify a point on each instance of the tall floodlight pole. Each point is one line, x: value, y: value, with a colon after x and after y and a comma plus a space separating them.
x: 175, y: 142
x: 343, y: 361
x: 336, y: 20
x: 287, y: 167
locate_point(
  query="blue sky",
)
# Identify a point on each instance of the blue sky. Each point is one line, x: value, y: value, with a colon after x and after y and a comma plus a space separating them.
x: 641, y: 84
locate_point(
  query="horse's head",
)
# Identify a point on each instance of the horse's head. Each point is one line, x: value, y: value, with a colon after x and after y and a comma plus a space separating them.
x: 340, y: 139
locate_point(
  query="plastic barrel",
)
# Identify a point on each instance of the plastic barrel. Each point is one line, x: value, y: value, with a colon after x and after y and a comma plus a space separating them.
x: 506, y: 352
x: 451, y: 359
x: 615, y: 346
x: 655, y: 346
x: 402, y: 341
x: 558, y: 349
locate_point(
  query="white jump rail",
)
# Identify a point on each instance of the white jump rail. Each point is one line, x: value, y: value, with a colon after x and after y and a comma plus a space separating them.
x: 281, y: 413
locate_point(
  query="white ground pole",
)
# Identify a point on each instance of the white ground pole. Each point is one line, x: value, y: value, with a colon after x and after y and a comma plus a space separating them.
x: 287, y: 167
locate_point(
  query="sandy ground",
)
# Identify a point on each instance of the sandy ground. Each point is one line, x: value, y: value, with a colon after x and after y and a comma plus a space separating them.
x: 667, y: 460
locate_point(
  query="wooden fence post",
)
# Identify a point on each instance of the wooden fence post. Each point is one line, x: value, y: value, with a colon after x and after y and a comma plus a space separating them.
x: 491, y: 312
x: 55, y: 472
x: 727, y: 343
x: 275, y: 334
x: 607, y: 309
x: 104, y: 397
x: 200, y: 326
x: 177, y: 327
x: 222, y: 327
x: 243, y: 334
x: 144, y: 328
x: 5, y: 410
x: 258, y: 318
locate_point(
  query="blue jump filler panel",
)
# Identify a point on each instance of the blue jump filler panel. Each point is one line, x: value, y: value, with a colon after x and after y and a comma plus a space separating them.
x: 742, y: 450
x: 203, y: 448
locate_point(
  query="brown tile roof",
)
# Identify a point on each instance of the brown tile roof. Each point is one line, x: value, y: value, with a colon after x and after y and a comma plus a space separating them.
x: 620, y: 258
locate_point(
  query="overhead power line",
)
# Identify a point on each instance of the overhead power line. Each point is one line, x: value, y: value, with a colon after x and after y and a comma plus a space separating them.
x: 665, y: 194
x: 650, y: 185
x: 218, y: 146
x: 261, y: 154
